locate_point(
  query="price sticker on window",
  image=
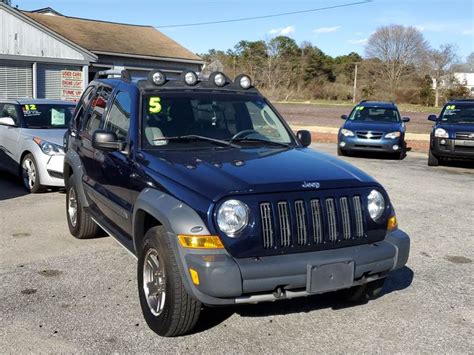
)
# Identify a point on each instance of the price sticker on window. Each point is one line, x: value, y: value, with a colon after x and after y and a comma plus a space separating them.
x: 154, y: 105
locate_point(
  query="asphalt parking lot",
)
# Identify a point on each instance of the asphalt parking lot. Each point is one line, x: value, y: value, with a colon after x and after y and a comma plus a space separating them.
x: 58, y: 294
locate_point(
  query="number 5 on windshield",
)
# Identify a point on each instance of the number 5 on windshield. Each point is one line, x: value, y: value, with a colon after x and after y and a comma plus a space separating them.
x: 154, y: 106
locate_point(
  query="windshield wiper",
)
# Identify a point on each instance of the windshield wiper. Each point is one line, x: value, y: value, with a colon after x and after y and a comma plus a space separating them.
x: 197, y: 137
x: 246, y: 139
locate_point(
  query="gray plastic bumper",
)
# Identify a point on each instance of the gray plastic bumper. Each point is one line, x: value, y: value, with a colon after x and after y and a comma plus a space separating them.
x: 227, y: 280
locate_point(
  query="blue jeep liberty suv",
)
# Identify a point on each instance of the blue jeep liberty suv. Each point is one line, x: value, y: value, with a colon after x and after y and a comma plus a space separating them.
x: 203, y: 181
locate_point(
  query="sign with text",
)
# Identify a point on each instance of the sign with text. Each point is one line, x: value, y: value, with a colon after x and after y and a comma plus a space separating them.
x: 71, y: 85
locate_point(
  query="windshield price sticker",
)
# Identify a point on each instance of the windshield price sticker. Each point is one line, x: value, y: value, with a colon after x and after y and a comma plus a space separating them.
x: 30, y: 110
x: 154, y: 105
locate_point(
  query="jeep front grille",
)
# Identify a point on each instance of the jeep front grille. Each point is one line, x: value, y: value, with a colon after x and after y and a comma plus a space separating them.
x: 310, y: 222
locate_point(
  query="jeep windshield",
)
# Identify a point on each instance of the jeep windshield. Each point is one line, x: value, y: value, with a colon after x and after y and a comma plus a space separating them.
x: 180, y: 120
x: 47, y: 116
x: 375, y: 114
x: 458, y: 114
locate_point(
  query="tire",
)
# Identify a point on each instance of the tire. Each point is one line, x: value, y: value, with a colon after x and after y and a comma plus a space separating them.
x: 432, y: 159
x: 171, y: 311
x: 81, y: 225
x: 364, y: 293
x: 403, y: 153
x: 340, y: 152
x: 30, y: 176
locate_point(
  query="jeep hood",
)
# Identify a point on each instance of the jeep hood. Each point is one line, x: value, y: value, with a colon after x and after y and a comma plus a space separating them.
x: 227, y: 171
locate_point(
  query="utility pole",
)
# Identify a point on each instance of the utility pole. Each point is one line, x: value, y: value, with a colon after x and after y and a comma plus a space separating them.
x: 355, y: 82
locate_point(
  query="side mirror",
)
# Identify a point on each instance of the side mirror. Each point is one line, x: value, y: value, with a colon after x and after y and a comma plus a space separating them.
x: 344, y: 117
x: 107, y: 141
x: 432, y: 118
x: 304, y: 137
x: 406, y: 119
x: 7, y: 121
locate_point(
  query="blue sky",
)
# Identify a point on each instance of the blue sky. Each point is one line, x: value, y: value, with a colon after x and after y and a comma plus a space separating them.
x: 336, y: 31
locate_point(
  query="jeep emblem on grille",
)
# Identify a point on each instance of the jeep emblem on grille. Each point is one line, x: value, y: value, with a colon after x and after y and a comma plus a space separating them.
x: 311, y: 185
x: 471, y: 136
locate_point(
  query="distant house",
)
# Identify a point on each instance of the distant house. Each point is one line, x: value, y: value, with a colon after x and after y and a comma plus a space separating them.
x: 467, y: 80
x: 44, y: 54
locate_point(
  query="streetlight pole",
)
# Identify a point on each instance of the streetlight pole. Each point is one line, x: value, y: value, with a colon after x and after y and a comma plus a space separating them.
x: 355, y: 82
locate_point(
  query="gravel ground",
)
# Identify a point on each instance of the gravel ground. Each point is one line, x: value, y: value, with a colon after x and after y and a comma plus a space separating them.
x: 58, y: 294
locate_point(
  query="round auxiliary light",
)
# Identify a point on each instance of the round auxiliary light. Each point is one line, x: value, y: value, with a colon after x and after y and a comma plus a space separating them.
x: 190, y: 78
x: 219, y: 79
x: 244, y: 81
x: 158, y: 78
x: 375, y: 204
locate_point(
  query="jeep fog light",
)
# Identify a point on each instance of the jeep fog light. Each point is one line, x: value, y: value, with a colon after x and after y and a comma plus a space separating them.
x: 375, y: 204
x: 395, y: 147
x: 232, y: 217
x: 342, y: 144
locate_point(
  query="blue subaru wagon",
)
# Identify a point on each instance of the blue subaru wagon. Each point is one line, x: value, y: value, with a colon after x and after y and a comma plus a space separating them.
x: 373, y: 127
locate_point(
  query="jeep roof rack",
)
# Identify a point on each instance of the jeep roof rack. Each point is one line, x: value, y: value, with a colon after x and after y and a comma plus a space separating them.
x: 463, y: 99
x: 105, y: 74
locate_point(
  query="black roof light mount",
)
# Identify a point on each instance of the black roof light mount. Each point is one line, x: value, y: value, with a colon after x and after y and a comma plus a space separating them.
x: 113, y: 73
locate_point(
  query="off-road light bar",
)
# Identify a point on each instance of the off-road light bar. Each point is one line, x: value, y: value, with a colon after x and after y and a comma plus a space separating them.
x: 190, y: 78
x: 244, y: 81
x: 157, y: 77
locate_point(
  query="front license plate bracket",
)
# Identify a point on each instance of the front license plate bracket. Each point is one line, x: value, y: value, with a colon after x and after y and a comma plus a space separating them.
x: 329, y: 277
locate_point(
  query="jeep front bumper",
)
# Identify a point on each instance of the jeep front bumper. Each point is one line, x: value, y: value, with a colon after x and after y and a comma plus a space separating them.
x: 227, y: 280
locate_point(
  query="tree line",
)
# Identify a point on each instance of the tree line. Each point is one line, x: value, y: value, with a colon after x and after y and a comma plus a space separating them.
x: 399, y: 65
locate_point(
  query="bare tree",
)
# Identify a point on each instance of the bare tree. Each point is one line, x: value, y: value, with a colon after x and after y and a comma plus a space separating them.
x: 399, y: 49
x: 440, y: 62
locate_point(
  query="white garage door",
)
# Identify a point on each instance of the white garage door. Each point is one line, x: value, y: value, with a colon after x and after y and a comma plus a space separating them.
x: 16, y: 80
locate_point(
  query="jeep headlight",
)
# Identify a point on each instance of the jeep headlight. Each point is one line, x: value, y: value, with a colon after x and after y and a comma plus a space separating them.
x: 393, y: 135
x: 232, y: 217
x: 441, y: 133
x: 375, y: 204
x: 48, y: 148
x: 347, y: 133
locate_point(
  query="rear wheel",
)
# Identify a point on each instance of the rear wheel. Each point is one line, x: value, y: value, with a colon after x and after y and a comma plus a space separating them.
x: 364, y: 293
x: 30, y: 174
x: 166, y: 305
x: 432, y: 159
x: 79, y: 221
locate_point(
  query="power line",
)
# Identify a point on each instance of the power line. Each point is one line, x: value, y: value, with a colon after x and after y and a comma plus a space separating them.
x: 265, y: 16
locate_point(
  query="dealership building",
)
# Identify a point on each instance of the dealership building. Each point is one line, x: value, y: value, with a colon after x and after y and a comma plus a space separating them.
x: 44, y: 54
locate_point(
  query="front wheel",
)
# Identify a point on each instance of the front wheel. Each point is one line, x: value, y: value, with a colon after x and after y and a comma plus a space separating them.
x: 340, y: 152
x: 30, y: 174
x: 432, y: 159
x: 167, y: 307
x: 79, y: 221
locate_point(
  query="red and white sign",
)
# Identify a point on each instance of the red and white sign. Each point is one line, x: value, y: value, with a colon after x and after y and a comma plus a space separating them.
x: 71, y: 85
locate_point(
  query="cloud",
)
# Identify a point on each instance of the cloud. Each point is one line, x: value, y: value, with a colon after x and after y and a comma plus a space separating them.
x: 326, y: 29
x: 358, y: 41
x: 282, y: 31
x: 420, y: 28
x: 468, y: 32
